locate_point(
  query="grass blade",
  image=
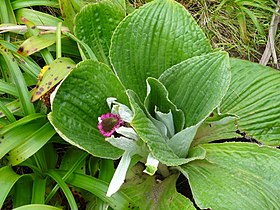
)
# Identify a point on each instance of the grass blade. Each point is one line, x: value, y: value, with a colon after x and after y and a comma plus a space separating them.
x: 38, y: 190
x: 7, y: 112
x: 18, y: 4
x: 32, y: 144
x: 24, y: 95
x: 99, y: 188
x: 68, y: 194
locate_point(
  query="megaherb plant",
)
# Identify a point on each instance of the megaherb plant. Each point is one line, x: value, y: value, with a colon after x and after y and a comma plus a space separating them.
x: 160, y: 99
x: 152, y: 95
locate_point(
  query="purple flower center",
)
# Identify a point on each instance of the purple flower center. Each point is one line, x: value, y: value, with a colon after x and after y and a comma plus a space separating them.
x: 108, y: 123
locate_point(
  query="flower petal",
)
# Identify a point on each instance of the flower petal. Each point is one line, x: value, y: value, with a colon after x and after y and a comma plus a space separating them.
x: 119, y: 175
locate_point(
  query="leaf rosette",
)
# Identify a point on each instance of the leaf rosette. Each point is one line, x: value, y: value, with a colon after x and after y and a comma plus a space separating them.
x: 164, y: 76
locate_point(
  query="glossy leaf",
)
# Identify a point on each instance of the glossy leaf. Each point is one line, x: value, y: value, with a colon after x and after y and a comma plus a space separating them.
x: 14, y: 107
x: 51, y: 75
x: 95, y: 25
x: 8, y: 179
x: 18, y: 79
x: 36, y: 207
x: 31, y: 145
x: 22, y: 191
x: 6, y: 12
x: 16, y: 133
x: 152, y: 39
x: 197, y: 85
x: 235, y: 176
x: 17, y: 4
x: 78, y: 103
x: 66, y: 191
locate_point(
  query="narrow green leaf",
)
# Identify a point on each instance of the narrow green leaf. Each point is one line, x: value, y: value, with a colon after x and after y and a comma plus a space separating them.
x: 69, y: 196
x: 18, y: 4
x: 7, y: 180
x: 254, y: 97
x: 24, y: 95
x: 235, y: 176
x: 16, y: 133
x: 8, y: 88
x: 254, y: 20
x: 78, y: 103
x: 152, y: 39
x: 32, y: 144
x: 75, y: 164
x: 99, y: 188
x: 7, y: 112
x: 22, y: 191
x: 21, y: 122
x: 14, y: 107
x: 38, y: 18
x: 258, y: 4
x: 88, y: 50
x: 36, y: 207
x: 148, y: 193
x: 95, y: 25
x: 38, y: 190
x: 27, y: 64
x: 197, y: 85
x: 6, y: 12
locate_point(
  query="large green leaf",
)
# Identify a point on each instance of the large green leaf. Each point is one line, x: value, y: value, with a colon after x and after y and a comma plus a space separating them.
x: 78, y: 103
x: 153, y: 38
x: 149, y: 193
x: 197, y: 85
x: 216, y: 130
x: 95, y: 24
x: 254, y: 96
x: 235, y: 176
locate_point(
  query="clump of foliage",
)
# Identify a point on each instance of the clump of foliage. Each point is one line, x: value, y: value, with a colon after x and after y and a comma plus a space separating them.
x: 146, y: 92
x: 240, y: 27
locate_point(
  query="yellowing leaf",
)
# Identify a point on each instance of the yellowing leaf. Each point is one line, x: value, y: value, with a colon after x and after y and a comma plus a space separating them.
x: 36, y: 43
x: 51, y: 75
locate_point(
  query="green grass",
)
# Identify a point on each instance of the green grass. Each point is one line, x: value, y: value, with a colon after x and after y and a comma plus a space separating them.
x: 242, y: 30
